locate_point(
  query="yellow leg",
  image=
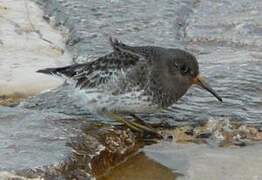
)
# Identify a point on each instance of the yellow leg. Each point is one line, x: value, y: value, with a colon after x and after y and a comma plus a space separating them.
x: 121, y: 120
x: 132, y: 125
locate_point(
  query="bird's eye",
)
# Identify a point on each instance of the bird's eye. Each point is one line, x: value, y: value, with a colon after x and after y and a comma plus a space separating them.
x: 184, y: 69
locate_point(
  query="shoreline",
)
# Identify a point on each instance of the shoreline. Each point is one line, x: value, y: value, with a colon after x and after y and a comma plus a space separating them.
x: 28, y: 43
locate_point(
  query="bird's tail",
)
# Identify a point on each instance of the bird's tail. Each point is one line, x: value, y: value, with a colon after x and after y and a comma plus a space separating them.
x: 68, y: 71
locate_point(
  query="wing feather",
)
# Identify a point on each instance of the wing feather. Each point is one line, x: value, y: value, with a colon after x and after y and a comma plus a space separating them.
x: 96, y: 72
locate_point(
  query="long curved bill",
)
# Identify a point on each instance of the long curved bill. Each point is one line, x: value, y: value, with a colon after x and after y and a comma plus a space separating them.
x: 199, y: 80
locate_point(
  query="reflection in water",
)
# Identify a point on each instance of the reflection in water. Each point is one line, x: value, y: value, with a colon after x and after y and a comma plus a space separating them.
x: 140, y: 167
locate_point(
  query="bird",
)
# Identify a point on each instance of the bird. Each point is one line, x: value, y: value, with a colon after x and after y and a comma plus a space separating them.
x: 136, y: 79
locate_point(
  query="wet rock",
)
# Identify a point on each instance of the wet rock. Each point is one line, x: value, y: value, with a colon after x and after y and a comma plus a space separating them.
x: 11, y: 100
x: 39, y: 144
x: 112, y: 147
x: 183, y: 134
x: 27, y: 43
x: 222, y: 133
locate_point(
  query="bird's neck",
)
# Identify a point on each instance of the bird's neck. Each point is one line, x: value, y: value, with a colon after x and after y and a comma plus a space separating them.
x: 160, y: 96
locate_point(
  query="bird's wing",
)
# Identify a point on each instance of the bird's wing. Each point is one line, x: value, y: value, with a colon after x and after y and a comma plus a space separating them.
x: 96, y: 72
x: 104, y: 69
x: 93, y: 73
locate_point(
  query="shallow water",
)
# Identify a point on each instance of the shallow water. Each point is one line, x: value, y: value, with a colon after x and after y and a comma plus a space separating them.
x: 225, y: 36
x: 202, y: 162
x: 140, y: 167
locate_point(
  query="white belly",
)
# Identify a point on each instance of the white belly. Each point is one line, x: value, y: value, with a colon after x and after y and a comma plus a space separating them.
x: 97, y: 100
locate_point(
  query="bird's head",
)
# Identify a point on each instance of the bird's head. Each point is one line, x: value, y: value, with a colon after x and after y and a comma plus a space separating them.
x: 180, y: 71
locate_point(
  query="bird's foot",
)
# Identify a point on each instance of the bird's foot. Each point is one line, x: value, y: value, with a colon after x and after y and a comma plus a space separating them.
x: 138, y: 125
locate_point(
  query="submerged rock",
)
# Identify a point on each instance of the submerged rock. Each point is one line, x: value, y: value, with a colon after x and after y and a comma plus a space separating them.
x: 140, y: 167
x: 37, y: 144
x: 220, y: 133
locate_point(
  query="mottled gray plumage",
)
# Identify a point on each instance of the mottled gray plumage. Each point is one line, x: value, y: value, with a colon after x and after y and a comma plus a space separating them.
x: 162, y: 74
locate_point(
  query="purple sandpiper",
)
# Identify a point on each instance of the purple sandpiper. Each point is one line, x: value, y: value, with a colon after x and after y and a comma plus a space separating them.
x: 141, y: 78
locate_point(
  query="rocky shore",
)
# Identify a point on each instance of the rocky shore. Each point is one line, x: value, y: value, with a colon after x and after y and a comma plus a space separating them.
x: 41, y: 140
x: 28, y: 43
